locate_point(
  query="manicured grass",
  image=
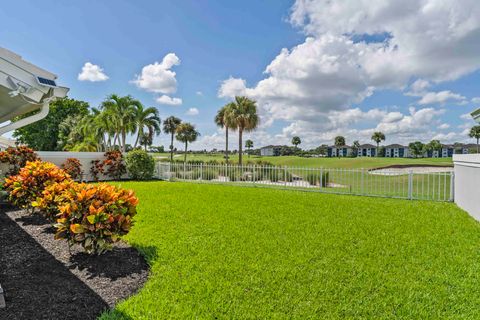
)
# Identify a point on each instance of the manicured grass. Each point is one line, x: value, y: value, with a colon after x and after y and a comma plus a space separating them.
x: 361, y: 162
x: 230, y: 252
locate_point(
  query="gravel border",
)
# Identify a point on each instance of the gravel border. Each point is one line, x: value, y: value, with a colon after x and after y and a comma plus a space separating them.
x: 43, y: 281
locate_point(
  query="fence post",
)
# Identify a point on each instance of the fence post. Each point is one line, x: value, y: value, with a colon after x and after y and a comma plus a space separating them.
x: 285, y: 176
x: 410, y: 184
x: 321, y: 178
x: 201, y: 171
x: 253, y: 174
x: 184, y: 170
x: 452, y: 186
x: 362, y: 181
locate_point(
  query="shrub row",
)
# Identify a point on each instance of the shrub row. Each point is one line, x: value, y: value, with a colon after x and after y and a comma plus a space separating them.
x: 93, y: 216
x: 138, y: 164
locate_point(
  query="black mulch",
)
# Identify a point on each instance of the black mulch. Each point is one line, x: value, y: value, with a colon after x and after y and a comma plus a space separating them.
x: 43, y: 281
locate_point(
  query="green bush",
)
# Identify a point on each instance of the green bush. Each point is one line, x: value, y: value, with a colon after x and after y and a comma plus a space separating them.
x: 314, y: 179
x: 209, y: 174
x: 140, y: 165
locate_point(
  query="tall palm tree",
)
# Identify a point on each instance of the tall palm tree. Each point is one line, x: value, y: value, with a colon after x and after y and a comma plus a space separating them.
x: 147, y: 119
x: 186, y: 133
x: 224, y: 119
x: 121, y: 110
x: 475, y: 133
x: 378, y: 137
x: 244, y: 113
x: 249, y: 145
x: 170, y: 126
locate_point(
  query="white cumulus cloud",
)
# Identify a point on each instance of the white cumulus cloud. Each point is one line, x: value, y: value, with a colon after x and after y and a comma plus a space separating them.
x: 164, y: 99
x: 92, y: 72
x: 192, y: 112
x: 336, y: 67
x: 441, y: 97
x: 158, y: 77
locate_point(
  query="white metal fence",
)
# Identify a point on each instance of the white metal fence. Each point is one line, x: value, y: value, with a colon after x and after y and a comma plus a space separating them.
x: 394, y: 183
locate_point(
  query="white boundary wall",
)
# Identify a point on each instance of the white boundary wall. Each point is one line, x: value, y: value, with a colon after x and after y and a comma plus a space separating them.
x: 59, y: 157
x: 467, y: 183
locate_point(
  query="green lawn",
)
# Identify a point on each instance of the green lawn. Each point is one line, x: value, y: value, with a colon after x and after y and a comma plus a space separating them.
x: 361, y: 162
x: 234, y: 253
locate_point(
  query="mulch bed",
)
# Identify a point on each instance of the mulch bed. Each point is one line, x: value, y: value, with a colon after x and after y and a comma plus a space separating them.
x: 43, y: 280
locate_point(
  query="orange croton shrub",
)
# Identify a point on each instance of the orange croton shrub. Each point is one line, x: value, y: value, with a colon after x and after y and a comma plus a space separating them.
x: 25, y: 187
x: 53, y: 197
x: 73, y: 167
x: 95, y: 216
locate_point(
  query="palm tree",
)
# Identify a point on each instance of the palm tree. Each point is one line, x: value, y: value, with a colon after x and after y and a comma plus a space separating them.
x: 356, y: 146
x: 147, y: 119
x: 121, y: 110
x: 244, y: 114
x: 475, y: 133
x: 186, y: 133
x: 249, y: 145
x: 224, y: 119
x: 378, y: 137
x: 296, y: 141
x: 170, y: 126
x: 339, y: 142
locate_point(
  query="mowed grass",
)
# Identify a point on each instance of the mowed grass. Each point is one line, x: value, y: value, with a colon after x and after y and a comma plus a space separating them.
x: 349, y: 163
x: 229, y: 252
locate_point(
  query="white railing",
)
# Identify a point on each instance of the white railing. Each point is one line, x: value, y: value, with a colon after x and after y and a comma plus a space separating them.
x: 435, y: 184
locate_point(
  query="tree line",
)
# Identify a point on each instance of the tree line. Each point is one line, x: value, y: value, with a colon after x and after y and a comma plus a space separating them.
x: 72, y: 125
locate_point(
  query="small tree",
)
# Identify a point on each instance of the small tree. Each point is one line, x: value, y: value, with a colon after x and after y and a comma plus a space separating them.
x: 186, y: 133
x: 378, y: 137
x: 433, y: 145
x: 296, y: 141
x: 356, y: 146
x: 417, y: 148
x: 248, y: 145
x: 475, y: 133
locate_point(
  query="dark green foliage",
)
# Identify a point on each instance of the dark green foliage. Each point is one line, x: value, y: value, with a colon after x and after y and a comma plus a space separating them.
x: 43, y: 135
x: 140, y: 165
x: 315, y: 180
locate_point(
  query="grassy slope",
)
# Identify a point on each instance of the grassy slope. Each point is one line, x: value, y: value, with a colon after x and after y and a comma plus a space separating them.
x: 232, y: 252
x: 363, y: 162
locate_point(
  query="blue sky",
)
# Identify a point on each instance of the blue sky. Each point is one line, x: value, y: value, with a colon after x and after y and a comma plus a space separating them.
x: 333, y: 77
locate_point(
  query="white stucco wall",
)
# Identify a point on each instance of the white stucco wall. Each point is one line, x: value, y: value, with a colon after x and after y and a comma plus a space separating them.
x: 59, y: 157
x: 467, y: 183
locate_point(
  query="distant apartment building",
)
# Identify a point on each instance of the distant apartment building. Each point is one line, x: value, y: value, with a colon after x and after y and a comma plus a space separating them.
x: 448, y: 150
x: 396, y: 151
x: 367, y: 150
x: 270, y: 151
x: 343, y: 151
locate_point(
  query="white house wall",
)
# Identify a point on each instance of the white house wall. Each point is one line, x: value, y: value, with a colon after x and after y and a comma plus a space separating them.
x: 466, y: 187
